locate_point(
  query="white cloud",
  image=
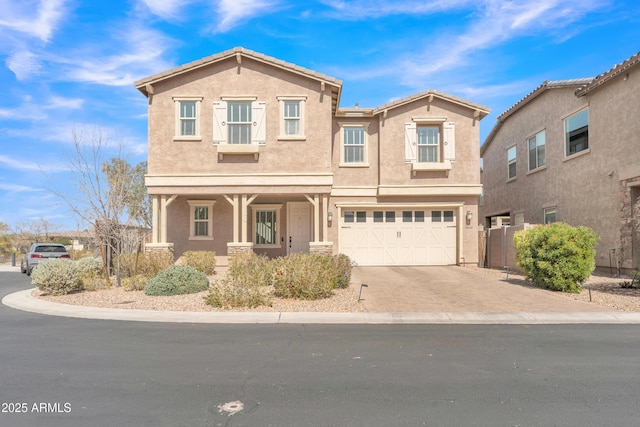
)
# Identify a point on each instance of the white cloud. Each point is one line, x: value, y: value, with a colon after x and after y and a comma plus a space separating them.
x: 234, y: 12
x: 166, y: 9
x: 367, y: 9
x: 56, y: 102
x: 138, y: 53
x: 24, y: 64
x: 495, y: 22
x: 27, y: 165
x: 36, y: 18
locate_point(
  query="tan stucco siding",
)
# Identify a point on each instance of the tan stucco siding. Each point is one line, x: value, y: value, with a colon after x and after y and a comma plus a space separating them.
x: 227, y: 79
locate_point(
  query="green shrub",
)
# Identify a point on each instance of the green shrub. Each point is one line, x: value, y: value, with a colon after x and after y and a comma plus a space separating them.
x: 177, y: 280
x: 57, y: 277
x: 556, y: 256
x: 304, y: 276
x: 204, y: 261
x: 90, y: 267
x: 148, y: 264
x: 248, y: 270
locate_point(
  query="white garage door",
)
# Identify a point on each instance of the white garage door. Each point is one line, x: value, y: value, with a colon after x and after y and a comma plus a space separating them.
x: 399, y: 237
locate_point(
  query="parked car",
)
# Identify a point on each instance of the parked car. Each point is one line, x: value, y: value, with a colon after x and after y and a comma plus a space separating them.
x: 40, y: 252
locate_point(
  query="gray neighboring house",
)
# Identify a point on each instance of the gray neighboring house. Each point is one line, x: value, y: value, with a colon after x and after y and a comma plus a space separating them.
x: 570, y: 151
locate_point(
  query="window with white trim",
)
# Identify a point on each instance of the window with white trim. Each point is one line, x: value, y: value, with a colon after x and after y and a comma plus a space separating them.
x: 576, y: 128
x: 266, y: 223
x: 430, y: 140
x: 354, y: 145
x: 511, y: 162
x: 537, y: 148
x: 187, y: 117
x: 428, y: 144
x: 292, y: 117
x: 201, y: 219
x: 239, y: 121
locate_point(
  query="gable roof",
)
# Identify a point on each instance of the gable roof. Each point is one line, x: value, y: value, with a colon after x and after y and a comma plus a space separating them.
x: 542, y: 88
x: 480, y: 110
x: 603, y: 78
x: 144, y: 85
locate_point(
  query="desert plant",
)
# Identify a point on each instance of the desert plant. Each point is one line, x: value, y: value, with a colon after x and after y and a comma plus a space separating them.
x: 245, y: 285
x: 90, y: 267
x: 177, y: 280
x: 556, y: 256
x: 135, y: 283
x: 57, y: 277
x: 227, y: 294
x: 204, y: 261
x: 343, y: 266
x: 145, y: 264
x: 304, y: 276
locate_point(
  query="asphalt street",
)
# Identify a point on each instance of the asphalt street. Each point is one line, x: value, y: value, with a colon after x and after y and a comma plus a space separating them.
x: 57, y: 371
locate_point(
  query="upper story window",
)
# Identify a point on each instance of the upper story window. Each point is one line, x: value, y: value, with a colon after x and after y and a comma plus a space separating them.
x: 187, y: 117
x: 354, y: 145
x: 239, y: 121
x: 292, y: 117
x: 511, y: 162
x: 537, y: 156
x: 576, y: 128
x: 428, y: 144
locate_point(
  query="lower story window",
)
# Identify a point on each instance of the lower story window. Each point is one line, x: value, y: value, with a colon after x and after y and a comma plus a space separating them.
x: 201, y: 219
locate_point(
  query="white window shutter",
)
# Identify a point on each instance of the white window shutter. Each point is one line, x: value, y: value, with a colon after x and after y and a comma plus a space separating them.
x: 220, y: 122
x: 410, y: 142
x: 449, y: 141
x: 259, y: 115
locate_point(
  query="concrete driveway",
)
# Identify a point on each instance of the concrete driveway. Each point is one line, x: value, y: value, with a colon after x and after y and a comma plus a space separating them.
x: 455, y: 289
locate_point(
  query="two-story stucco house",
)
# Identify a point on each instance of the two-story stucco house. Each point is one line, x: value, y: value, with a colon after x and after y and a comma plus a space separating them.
x: 251, y: 153
x: 570, y: 151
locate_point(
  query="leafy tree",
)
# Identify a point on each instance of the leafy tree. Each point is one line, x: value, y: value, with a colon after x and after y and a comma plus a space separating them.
x: 5, y: 239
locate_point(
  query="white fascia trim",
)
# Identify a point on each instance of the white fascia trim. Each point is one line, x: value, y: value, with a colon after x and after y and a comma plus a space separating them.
x: 430, y: 190
x: 235, y: 180
x: 430, y: 205
x: 354, y: 191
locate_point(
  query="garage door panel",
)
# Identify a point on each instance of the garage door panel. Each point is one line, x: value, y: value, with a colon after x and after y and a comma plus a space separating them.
x: 401, y: 237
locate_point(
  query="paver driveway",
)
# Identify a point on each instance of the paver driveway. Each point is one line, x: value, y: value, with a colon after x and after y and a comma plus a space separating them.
x: 455, y: 289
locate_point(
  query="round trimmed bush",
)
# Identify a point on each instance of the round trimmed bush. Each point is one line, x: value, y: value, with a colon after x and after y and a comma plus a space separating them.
x: 177, y: 280
x: 57, y: 277
x: 557, y: 256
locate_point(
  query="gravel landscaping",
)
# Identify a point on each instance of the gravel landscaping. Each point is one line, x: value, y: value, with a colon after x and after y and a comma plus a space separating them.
x: 605, y: 291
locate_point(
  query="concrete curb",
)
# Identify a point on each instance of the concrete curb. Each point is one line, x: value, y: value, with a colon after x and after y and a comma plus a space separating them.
x: 23, y: 300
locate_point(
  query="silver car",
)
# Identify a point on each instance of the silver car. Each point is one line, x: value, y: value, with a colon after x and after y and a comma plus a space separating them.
x: 40, y: 252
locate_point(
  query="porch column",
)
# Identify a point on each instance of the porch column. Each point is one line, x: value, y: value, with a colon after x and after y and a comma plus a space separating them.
x: 325, y: 222
x: 154, y: 220
x: 460, y: 229
x: 236, y: 221
x: 315, y: 201
x: 163, y: 219
x: 246, y: 201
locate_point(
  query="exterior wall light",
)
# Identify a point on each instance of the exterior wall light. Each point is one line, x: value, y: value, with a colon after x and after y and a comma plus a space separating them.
x: 469, y: 217
x: 330, y: 216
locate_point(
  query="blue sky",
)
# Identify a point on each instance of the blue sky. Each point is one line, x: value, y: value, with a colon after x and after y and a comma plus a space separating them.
x: 69, y: 65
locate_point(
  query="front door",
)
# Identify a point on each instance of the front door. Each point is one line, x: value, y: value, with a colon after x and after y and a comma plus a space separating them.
x: 298, y: 227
